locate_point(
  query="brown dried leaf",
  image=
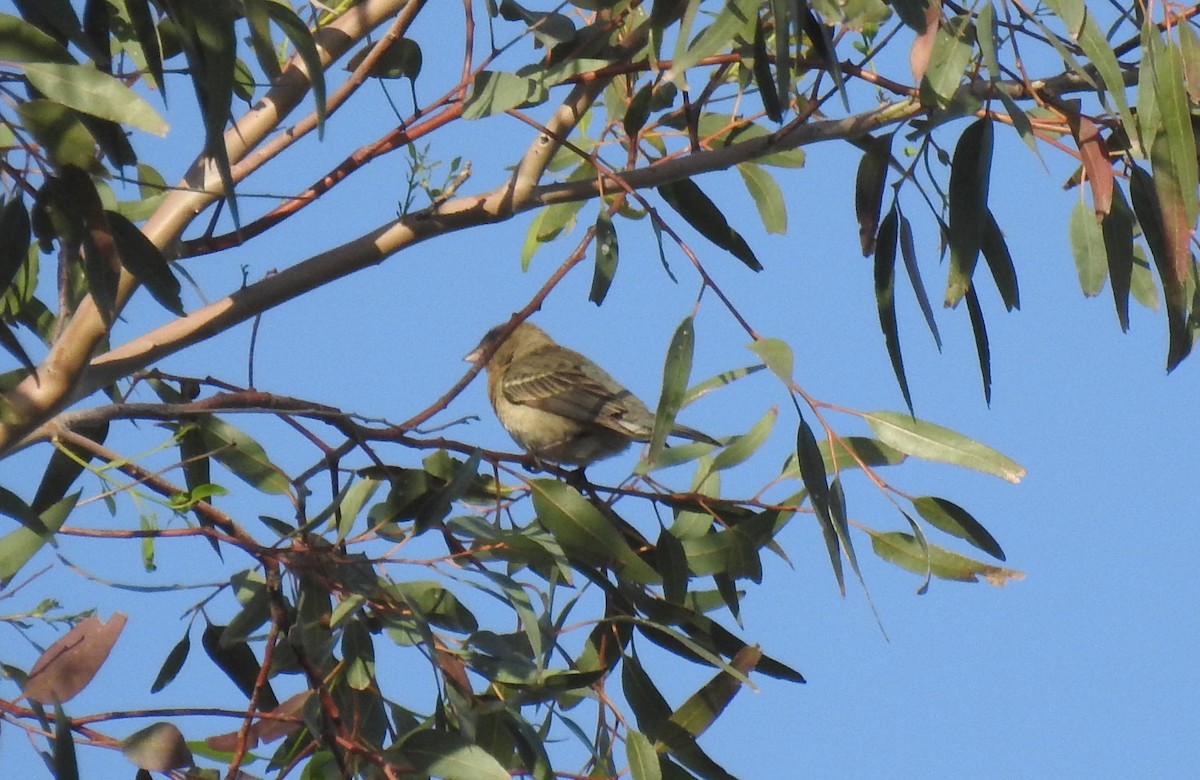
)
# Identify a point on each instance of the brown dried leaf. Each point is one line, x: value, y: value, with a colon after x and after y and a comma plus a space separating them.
x: 69, y: 664
x: 1093, y: 153
x: 918, y: 56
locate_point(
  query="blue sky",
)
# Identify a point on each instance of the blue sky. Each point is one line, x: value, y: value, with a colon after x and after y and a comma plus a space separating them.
x: 1084, y: 668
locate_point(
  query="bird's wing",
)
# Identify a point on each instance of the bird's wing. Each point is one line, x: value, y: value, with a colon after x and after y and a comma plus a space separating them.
x: 563, y: 382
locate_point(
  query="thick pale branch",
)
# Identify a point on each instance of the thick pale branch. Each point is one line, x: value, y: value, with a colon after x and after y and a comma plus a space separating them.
x: 42, y: 394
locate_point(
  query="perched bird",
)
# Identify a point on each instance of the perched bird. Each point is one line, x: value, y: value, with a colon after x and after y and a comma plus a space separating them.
x: 558, y: 405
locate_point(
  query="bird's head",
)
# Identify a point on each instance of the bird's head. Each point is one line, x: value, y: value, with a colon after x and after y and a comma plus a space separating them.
x: 504, y: 345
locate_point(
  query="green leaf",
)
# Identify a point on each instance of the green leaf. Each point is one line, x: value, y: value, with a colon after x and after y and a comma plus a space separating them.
x: 584, y: 532
x: 1082, y: 27
x: 15, y: 235
x: 934, y: 443
x: 63, y: 136
x: 1149, y: 215
x: 948, y: 62
x: 982, y: 350
x: 1117, y: 229
x: 1087, y: 246
x: 450, y: 756
x: 906, y: 552
x: 956, y: 521
x: 172, y: 664
x: 302, y: 38
x: 702, y: 214
x: 734, y: 18
x: 812, y: 474
x: 20, y: 41
x: 742, y: 447
x: 66, y: 767
x: 401, y: 60
x: 65, y: 466
x: 677, y: 369
x: 885, y: 297
x: 781, y: 10
x: 909, y: 254
x: 243, y: 456
x: 12, y: 505
x: 1142, y: 285
x: 159, y: 747
x: 671, y: 560
x: 768, y: 197
x: 642, y: 758
x: 206, y: 32
x: 238, y: 663
x: 970, y: 172
x: 141, y: 258
x: 777, y: 356
x: 702, y: 389
x: 17, y: 547
x: 762, y: 71
x: 985, y: 33
x: 703, y: 707
x: 94, y: 92
x: 999, y: 261
x: 868, y: 189
x: 494, y: 92
x: 142, y: 22
x: 606, y: 257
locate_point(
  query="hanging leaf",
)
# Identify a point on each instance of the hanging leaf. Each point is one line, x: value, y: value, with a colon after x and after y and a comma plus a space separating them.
x: 1093, y: 153
x: 768, y: 197
x: 868, y: 189
x: 209, y: 42
x: 905, y: 551
x: 762, y: 73
x: 970, y: 171
x: 885, y: 298
x: 924, y: 16
x: 949, y: 61
x: 1087, y: 246
x: 141, y: 258
x: 956, y: 521
x: 238, y: 663
x: 15, y: 235
x: 677, y: 370
x: 302, y: 38
x: 1149, y: 214
x: 999, y: 261
x: 909, y: 254
x: 982, y: 350
x: 703, y: 215
x: 142, y: 22
x: 932, y: 442
x: 606, y: 258
x: 812, y: 474
x: 172, y: 664
x: 1117, y: 229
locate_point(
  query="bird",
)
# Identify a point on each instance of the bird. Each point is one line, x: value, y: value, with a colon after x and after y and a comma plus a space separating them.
x: 557, y: 404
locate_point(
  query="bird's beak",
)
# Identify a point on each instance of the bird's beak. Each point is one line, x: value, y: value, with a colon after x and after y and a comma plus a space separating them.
x: 474, y: 355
